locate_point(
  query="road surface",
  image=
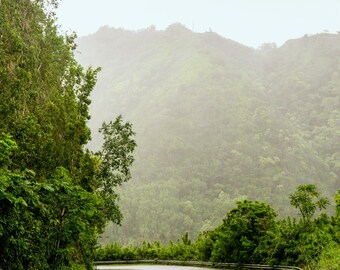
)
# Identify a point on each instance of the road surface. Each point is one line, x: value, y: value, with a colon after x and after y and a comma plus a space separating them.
x: 148, y: 267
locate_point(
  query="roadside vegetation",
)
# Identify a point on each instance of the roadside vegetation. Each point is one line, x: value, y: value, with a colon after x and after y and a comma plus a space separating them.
x: 252, y: 233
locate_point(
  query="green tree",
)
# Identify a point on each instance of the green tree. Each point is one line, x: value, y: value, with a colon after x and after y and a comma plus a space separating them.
x: 21, y: 213
x: 116, y: 159
x: 337, y: 202
x: 242, y: 231
x: 55, y: 196
x: 307, y: 199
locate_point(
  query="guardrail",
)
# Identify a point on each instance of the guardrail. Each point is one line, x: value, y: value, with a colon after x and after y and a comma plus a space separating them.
x: 230, y: 266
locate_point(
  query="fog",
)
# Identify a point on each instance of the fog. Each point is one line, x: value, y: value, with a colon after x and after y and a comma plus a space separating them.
x: 216, y: 121
x: 246, y: 21
x: 209, y: 130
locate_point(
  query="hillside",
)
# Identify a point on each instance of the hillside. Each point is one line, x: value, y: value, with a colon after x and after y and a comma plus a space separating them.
x: 215, y: 121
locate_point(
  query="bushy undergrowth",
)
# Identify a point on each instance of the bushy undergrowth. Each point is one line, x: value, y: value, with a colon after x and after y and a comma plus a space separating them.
x: 251, y: 233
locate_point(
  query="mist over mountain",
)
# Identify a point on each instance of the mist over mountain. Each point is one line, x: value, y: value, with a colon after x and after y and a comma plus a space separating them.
x: 216, y: 121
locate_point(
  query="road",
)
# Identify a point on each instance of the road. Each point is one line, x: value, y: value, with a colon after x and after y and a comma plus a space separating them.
x: 148, y: 267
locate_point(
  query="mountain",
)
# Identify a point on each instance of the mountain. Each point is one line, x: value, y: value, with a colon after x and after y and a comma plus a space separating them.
x: 216, y: 121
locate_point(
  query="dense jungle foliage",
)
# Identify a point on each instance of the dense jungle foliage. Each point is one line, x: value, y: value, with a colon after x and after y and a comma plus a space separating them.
x: 252, y: 233
x: 55, y: 196
x: 216, y: 122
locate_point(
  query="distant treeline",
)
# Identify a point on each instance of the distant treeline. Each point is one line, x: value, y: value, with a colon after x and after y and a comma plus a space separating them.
x: 252, y: 233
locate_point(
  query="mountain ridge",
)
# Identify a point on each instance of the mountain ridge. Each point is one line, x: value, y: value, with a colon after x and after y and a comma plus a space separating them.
x: 216, y: 121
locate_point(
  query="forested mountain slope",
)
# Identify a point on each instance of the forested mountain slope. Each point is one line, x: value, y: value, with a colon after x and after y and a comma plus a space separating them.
x: 215, y: 121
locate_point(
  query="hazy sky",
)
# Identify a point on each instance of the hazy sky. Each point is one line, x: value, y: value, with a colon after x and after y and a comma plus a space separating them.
x: 250, y: 22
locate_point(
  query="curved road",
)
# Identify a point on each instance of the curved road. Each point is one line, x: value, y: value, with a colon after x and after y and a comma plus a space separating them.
x: 148, y: 267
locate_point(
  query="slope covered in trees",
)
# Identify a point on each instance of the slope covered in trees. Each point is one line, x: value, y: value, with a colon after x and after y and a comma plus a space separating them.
x: 55, y: 196
x: 215, y: 121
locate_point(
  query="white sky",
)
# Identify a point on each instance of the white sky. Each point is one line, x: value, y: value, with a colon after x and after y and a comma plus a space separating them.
x: 250, y: 22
